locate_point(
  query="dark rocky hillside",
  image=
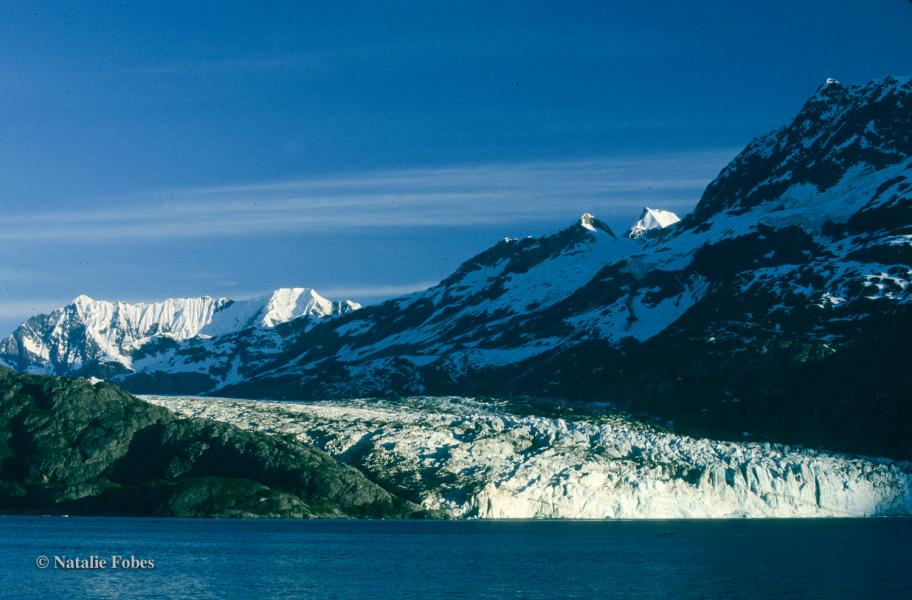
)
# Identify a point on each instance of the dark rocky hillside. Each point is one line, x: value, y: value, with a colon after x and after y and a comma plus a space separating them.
x: 67, y: 446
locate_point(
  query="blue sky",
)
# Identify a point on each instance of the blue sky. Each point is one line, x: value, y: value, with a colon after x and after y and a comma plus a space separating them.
x: 366, y: 149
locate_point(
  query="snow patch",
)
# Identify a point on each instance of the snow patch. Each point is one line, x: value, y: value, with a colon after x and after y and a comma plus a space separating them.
x: 652, y: 218
x: 586, y: 221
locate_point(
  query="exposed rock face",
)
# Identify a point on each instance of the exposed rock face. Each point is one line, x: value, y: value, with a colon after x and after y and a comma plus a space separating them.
x: 483, y: 459
x: 839, y: 128
x: 67, y: 446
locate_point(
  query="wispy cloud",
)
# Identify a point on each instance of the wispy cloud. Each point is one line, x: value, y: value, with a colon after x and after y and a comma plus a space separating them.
x: 369, y: 292
x: 395, y: 51
x: 430, y: 197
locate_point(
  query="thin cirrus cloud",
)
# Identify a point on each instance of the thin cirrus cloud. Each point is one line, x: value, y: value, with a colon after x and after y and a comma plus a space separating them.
x: 376, y: 291
x: 427, y: 197
x: 396, y: 51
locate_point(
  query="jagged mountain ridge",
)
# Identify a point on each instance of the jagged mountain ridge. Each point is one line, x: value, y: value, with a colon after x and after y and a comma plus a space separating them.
x: 520, y: 298
x: 102, y: 338
x: 777, y: 308
x: 202, y: 345
x: 839, y: 128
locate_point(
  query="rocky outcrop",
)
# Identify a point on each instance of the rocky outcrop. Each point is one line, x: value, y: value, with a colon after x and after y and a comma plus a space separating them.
x: 67, y: 446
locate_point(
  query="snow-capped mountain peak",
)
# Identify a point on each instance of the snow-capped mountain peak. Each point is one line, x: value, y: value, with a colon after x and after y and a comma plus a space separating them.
x: 90, y: 332
x: 586, y: 221
x: 286, y: 304
x: 82, y: 300
x: 592, y: 223
x: 839, y: 132
x: 652, y: 218
x: 178, y: 318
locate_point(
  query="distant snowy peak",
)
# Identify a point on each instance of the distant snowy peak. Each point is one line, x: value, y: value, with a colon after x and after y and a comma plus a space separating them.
x: 88, y: 331
x: 283, y: 305
x: 586, y: 221
x: 652, y: 218
x: 592, y: 223
x: 286, y: 304
x: 179, y: 318
x: 185, y: 318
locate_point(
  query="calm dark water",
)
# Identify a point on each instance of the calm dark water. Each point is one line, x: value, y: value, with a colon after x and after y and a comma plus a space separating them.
x: 376, y: 559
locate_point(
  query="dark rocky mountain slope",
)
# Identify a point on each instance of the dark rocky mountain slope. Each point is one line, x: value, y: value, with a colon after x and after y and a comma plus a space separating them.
x: 67, y: 446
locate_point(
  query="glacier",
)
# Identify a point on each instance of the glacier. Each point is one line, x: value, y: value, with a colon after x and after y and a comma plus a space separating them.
x: 485, y: 459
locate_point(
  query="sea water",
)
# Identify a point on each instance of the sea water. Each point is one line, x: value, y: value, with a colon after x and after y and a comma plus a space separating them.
x: 218, y: 558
